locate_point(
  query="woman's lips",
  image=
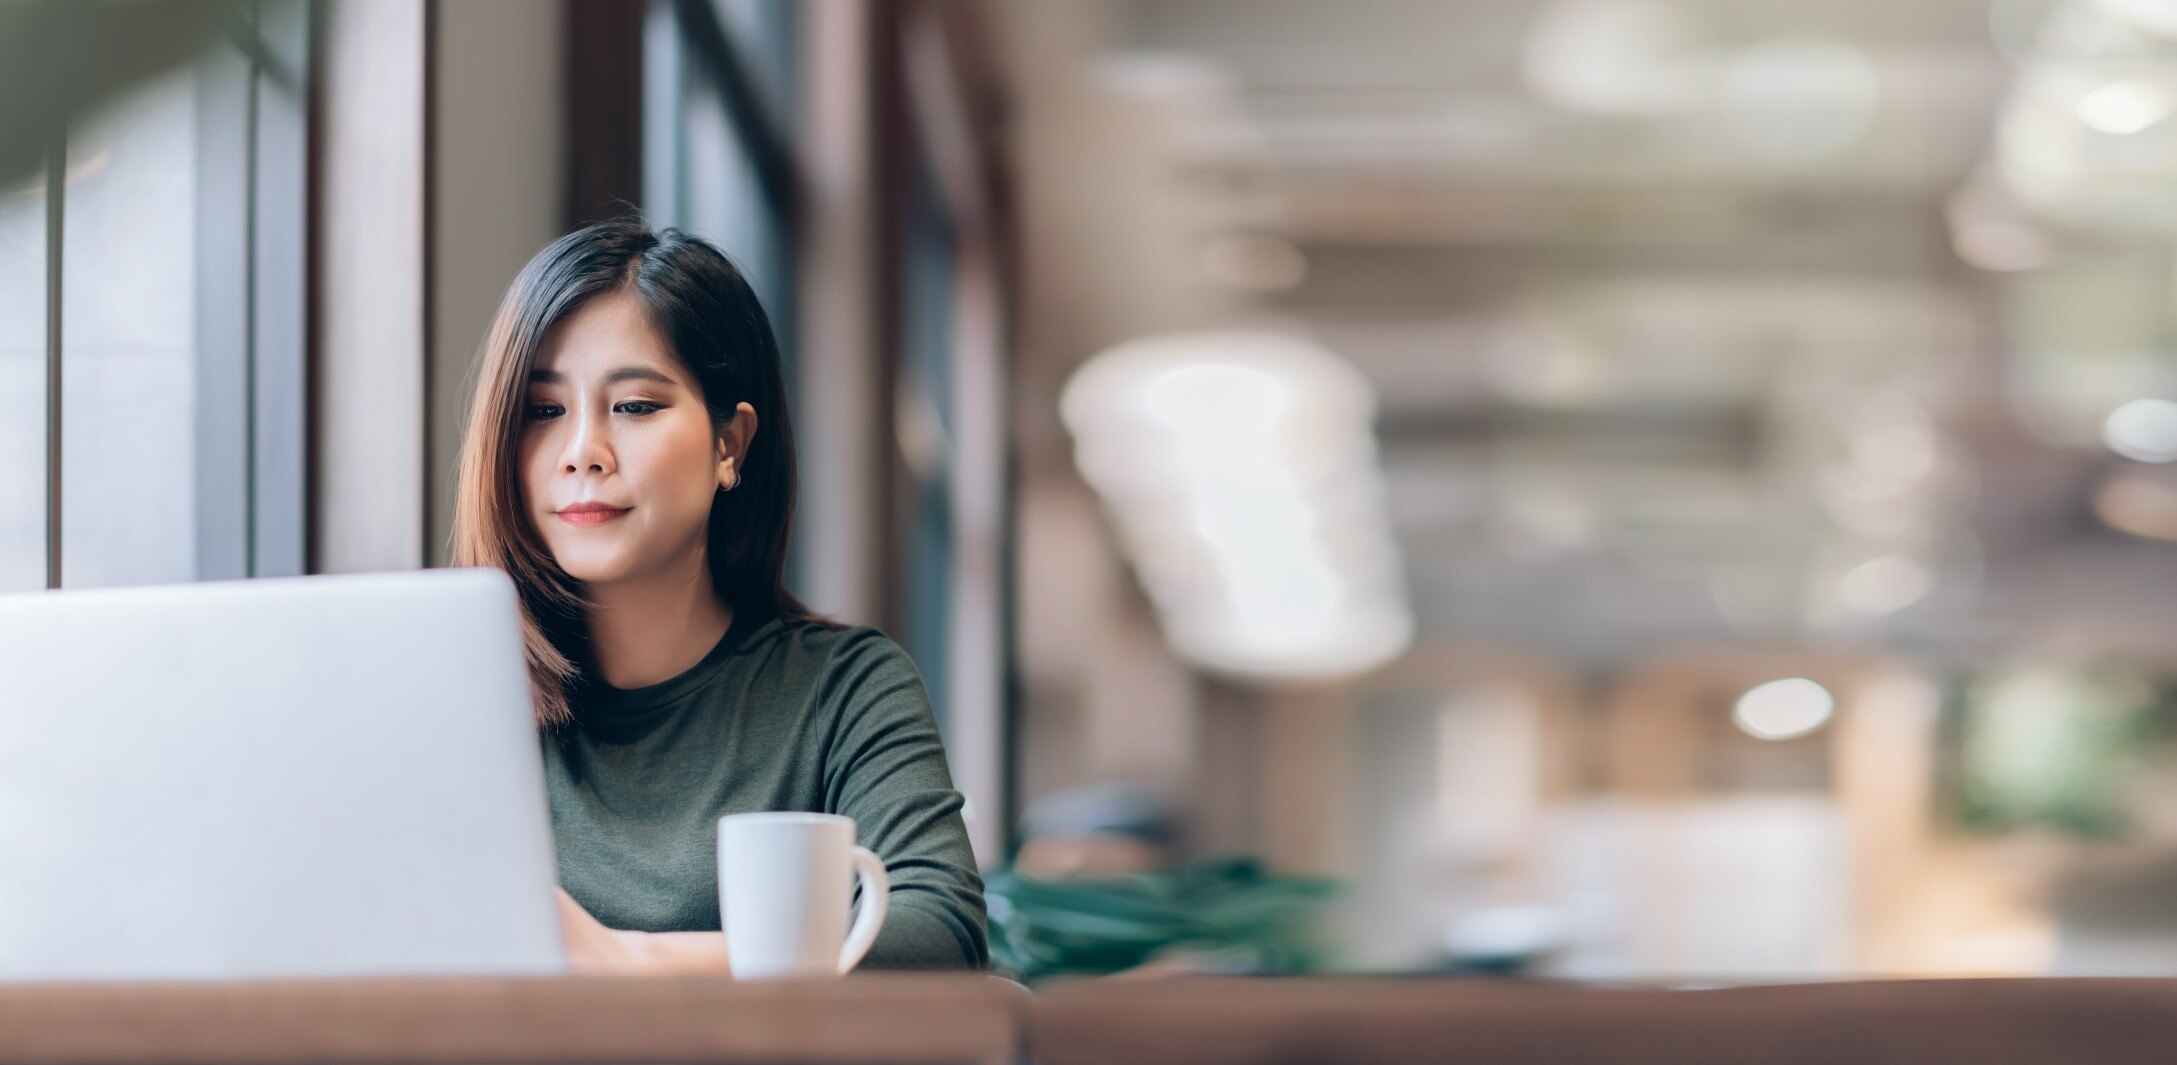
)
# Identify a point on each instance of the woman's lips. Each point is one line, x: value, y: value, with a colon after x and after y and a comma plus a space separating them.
x: 589, y: 517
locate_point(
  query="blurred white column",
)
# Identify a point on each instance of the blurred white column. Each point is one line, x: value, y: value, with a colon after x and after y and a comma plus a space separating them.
x: 841, y: 522
x: 498, y: 185
x: 368, y: 465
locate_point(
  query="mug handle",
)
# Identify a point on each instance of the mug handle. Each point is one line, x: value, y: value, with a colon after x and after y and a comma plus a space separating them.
x: 869, y: 916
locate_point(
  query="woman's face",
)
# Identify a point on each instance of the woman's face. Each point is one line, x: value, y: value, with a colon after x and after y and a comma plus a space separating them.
x: 612, y: 418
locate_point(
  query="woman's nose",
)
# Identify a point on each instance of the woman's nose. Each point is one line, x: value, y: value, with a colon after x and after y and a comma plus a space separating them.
x: 587, y: 448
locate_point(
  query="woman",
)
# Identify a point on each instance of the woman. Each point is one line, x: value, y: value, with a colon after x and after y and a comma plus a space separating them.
x: 630, y: 463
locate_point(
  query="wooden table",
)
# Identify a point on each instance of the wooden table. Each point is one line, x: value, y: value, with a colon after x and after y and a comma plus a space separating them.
x: 1509, y: 1022
x: 891, y: 1018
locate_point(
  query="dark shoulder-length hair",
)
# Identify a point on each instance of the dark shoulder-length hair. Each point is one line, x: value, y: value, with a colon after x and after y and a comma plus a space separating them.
x: 717, y: 329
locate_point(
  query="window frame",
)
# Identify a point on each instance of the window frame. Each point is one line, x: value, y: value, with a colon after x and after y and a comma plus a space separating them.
x: 252, y: 111
x: 943, y: 177
x: 689, y: 48
x: 252, y: 296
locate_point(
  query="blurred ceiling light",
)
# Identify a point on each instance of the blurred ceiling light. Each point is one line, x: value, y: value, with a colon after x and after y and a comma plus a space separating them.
x: 1891, y: 470
x: 1614, y: 56
x: 2073, y: 138
x: 1241, y: 470
x: 2139, y: 506
x: 2125, y: 106
x: 1790, y: 100
x: 1884, y: 585
x: 1546, y: 361
x: 1784, y: 709
x: 2158, y: 17
x: 1799, y: 100
x: 1547, y: 521
x: 1160, y: 74
x: 1254, y: 261
x: 2040, y: 149
x: 2144, y: 429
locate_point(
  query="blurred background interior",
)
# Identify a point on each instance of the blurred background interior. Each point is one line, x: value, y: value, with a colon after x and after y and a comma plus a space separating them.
x: 1617, y: 489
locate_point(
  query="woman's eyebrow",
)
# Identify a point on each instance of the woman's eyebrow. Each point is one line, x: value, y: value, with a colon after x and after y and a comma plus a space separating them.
x: 624, y: 373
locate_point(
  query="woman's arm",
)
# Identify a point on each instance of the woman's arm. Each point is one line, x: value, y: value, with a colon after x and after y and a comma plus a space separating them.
x: 885, y: 768
x: 594, y: 949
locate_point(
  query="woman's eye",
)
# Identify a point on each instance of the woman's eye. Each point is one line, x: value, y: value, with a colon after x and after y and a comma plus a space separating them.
x: 539, y: 411
x: 650, y: 408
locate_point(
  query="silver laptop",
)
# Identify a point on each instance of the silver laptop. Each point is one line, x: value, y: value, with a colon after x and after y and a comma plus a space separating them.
x: 306, y: 776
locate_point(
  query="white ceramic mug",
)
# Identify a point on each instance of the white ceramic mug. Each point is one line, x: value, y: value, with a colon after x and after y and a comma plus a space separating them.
x: 784, y: 888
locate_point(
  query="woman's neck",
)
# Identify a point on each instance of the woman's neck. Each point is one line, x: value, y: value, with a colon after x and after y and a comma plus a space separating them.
x: 643, y: 632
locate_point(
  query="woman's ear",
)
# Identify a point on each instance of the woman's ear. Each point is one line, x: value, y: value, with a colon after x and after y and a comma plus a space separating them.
x: 733, y: 441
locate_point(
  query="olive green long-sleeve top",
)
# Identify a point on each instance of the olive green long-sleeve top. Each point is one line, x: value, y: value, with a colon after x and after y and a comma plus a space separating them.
x: 779, y: 715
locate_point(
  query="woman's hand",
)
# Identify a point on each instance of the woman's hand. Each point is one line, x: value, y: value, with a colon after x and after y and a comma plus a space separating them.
x: 594, y: 949
x: 591, y: 947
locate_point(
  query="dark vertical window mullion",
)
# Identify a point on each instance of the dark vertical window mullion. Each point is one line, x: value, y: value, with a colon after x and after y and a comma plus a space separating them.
x: 56, y: 187
x: 250, y: 353
x: 778, y: 38
x: 429, y: 300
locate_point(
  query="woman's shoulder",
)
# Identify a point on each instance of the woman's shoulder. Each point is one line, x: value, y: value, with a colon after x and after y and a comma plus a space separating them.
x: 828, y: 646
x: 851, y: 674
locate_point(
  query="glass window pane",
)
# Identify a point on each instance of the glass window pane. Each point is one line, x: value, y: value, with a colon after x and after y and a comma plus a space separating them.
x: 22, y: 384
x: 128, y: 367
x: 926, y: 382
x: 762, y: 33
x: 724, y: 199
